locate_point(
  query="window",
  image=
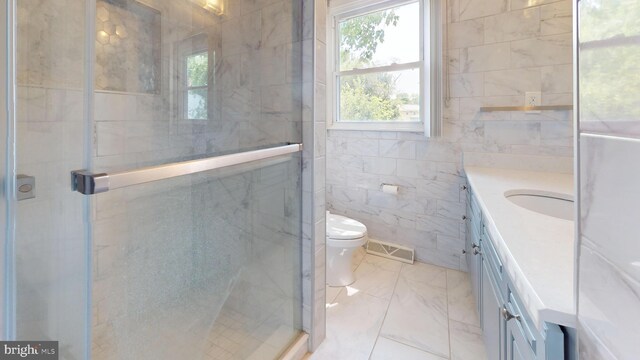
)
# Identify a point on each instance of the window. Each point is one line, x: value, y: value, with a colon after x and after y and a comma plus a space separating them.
x: 379, y: 77
x: 194, y: 69
x: 197, y: 86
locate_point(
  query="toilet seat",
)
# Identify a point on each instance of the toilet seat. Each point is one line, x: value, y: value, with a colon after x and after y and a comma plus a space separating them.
x: 344, y: 229
x: 351, y: 243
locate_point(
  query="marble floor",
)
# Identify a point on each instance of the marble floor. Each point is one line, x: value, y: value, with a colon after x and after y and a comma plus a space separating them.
x: 402, y: 312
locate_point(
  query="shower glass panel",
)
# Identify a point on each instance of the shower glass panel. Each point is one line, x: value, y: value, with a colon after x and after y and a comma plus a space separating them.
x: 51, y: 239
x: 202, y: 266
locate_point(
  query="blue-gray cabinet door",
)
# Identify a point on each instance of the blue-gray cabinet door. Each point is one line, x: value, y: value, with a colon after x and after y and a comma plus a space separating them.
x: 472, y: 254
x: 517, y: 345
x: 492, y: 324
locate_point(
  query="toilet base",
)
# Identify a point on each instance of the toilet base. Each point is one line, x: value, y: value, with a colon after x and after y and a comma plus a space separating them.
x: 339, y: 260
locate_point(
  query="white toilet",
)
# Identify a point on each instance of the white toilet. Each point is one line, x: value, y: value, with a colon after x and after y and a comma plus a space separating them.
x: 344, y: 236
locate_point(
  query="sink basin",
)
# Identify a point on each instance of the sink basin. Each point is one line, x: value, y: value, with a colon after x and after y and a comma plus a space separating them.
x: 544, y: 202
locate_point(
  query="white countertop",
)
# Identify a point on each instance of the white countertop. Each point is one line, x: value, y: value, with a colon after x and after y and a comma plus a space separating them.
x: 537, y: 250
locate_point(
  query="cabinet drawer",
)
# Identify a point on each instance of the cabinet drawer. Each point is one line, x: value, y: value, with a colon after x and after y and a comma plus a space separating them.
x: 490, y: 253
x: 474, y: 215
x: 474, y: 235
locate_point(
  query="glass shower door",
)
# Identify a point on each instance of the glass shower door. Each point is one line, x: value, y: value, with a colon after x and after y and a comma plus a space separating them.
x: 49, y: 236
x: 205, y: 265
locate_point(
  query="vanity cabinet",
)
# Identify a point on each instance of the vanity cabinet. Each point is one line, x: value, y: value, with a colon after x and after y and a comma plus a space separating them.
x: 509, y: 331
x: 473, y: 224
x: 517, y: 347
x: 493, y: 326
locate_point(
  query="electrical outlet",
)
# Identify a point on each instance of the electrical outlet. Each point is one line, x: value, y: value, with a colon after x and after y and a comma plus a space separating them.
x: 533, y: 98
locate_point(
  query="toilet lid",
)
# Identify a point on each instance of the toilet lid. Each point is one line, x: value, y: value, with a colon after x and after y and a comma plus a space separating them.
x: 343, y: 228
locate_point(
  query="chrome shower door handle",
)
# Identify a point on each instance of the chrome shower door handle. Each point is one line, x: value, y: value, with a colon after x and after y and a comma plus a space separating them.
x: 88, y: 183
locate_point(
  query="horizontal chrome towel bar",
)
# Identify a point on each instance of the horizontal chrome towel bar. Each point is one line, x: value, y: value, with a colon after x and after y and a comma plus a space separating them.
x: 89, y: 183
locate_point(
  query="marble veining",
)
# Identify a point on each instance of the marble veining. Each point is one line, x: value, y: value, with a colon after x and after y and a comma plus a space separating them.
x: 497, y: 51
x: 413, y: 320
x: 537, y: 250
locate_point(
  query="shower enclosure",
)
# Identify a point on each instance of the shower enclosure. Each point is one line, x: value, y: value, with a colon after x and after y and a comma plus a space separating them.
x: 179, y: 234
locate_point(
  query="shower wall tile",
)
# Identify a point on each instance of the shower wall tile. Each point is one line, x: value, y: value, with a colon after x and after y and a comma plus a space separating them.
x: 556, y: 18
x: 58, y: 63
x: 512, y: 25
x: 497, y: 51
x: 540, y: 51
x: 314, y: 168
x: 485, y: 58
x: 466, y: 84
x: 512, y: 132
x: 277, y: 24
x: 557, y: 79
x: 319, y: 315
x: 471, y: 9
x: 242, y: 33
x: 463, y: 34
x: 521, y: 4
x: 512, y: 82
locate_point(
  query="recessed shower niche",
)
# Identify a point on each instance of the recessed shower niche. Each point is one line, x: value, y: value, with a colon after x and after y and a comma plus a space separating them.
x: 128, y: 38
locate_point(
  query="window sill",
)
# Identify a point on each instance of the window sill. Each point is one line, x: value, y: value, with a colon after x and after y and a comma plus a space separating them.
x: 368, y: 126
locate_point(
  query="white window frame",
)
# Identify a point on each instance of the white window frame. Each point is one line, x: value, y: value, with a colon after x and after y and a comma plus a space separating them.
x: 187, y: 88
x: 428, y: 62
x: 193, y: 45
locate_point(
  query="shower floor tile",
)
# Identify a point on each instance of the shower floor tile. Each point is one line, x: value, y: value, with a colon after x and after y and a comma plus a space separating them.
x: 401, y: 311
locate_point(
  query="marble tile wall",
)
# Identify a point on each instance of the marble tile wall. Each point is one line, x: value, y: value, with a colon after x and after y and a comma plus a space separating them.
x: 313, y: 173
x: 608, y: 262
x: 127, y: 47
x: 497, y: 51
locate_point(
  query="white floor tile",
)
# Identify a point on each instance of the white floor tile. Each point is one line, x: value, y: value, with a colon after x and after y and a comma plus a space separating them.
x: 466, y: 342
x: 382, y: 263
x: 353, y: 324
x: 358, y: 256
x: 332, y: 293
x: 425, y: 273
x: 386, y: 349
x: 462, y: 305
x: 401, y: 312
x: 417, y: 317
x: 373, y: 279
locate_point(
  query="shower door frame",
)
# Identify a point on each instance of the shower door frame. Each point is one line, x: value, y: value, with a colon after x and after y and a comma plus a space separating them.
x: 8, y: 166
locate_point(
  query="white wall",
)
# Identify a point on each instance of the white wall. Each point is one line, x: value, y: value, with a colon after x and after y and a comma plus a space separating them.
x: 498, y: 50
